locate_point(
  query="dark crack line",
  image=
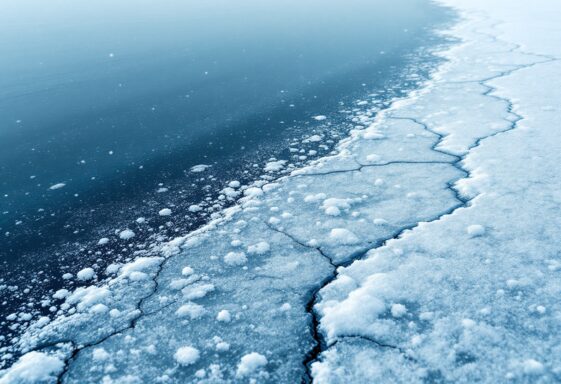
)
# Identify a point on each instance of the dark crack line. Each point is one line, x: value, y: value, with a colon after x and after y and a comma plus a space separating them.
x: 379, y: 344
x: 361, y: 166
x: 294, y: 239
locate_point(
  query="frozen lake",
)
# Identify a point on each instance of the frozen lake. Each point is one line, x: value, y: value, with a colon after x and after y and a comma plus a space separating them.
x: 106, y: 108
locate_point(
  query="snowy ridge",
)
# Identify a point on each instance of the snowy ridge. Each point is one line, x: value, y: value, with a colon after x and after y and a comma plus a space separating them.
x: 401, y: 259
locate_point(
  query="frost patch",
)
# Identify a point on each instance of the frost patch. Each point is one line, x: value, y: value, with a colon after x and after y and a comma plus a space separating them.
x: 251, y: 363
x: 187, y: 355
x: 343, y: 236
x: 235, y: 258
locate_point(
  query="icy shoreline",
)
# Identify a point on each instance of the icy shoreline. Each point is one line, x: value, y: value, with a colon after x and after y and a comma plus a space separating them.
x: 471, y: 296
x: 443, y: 289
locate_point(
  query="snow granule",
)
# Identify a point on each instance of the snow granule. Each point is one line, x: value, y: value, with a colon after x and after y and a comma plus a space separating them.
x: 259, y: 249
x: 224, y: 316
x: 103, y: 241
x: 235, y: 258
x: 142, y: 264
x: 61, y: 294
x: 274, y: 166
x: 100, y: 354
x: 332, y: 211
x: 86, y: 274
x: 187, y: 355
x: 191, y: 310
x: 197, y: 291
x: 165, y: 212
x: 195, y: 208
x: 250, y: 363
x: 398, y: 310
x: 199, y: 168
x: 126, y: 234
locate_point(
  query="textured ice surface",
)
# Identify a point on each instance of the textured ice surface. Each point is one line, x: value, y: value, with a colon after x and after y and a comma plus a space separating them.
x: 481, y: 286
x: 433, y: 232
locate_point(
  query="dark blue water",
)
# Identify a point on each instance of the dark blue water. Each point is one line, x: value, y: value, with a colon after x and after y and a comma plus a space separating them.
x: 118, y: 99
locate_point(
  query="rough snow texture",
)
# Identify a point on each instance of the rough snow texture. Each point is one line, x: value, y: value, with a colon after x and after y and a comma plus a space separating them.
x: 433, y: 232
x: 34, y: 367
x: 481, y: 286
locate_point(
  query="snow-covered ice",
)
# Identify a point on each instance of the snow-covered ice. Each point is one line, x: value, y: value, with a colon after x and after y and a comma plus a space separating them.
x: 425, y: 250
x: 34, y: 367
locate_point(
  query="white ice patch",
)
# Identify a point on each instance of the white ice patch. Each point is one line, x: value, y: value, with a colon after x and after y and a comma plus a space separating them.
x: 224, y: 316
x: 187, y: 355
x: 195, y: 208
x: 275, y: 166
x: 259, y: 248
x: 312, y: 139
x: 475, y: 230
x: 235, y: 258
x: 103, y: 241
x: 334, y: 206
x: 86, y: 274
x: 127, y: 234
x: 57, y: 186
x: 199, y: 168
x: 191, y: 310
x: 343, y: 236
x: 100, y: 355
x: 250, y: 363
x: 165, y: 212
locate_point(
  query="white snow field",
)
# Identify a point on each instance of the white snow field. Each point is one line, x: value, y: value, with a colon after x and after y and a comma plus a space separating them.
x: 427, y: 250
